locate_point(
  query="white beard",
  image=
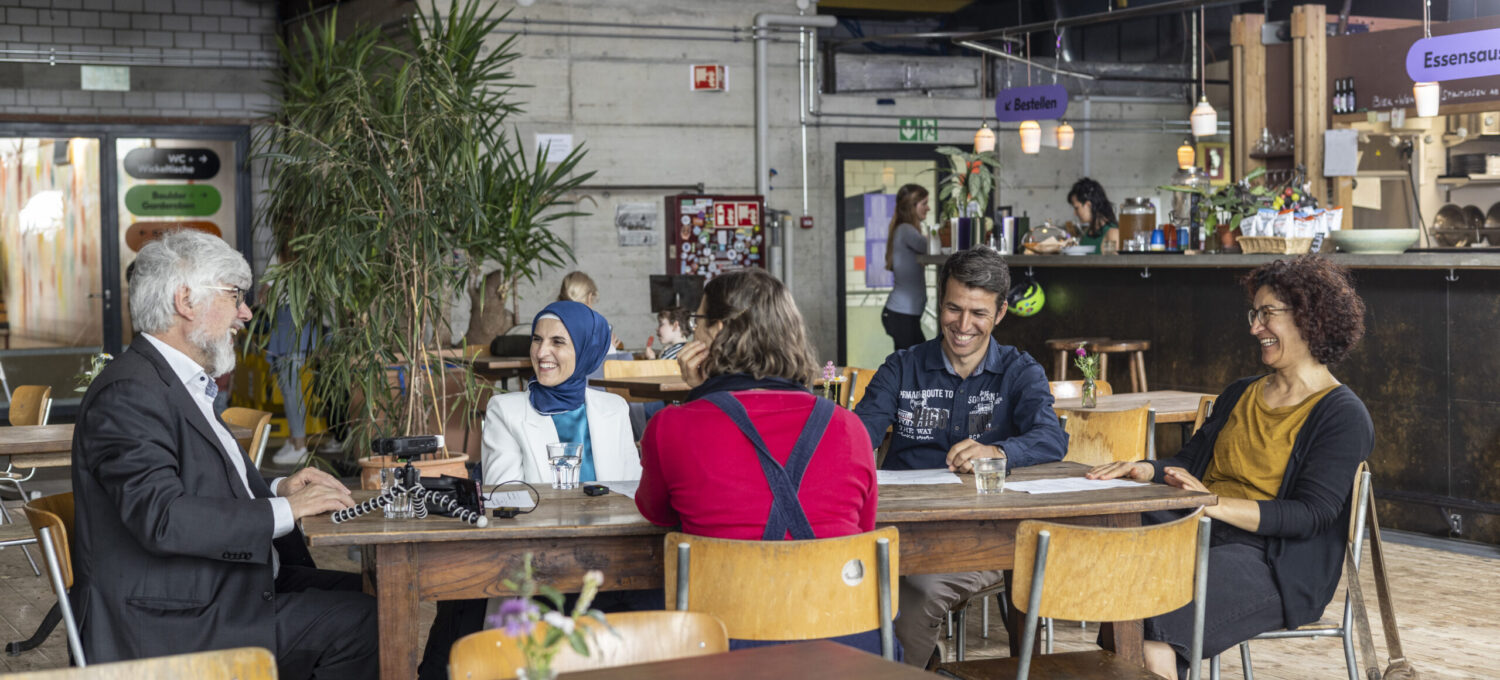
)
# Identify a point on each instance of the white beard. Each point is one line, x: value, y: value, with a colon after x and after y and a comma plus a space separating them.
x: 220, y: 351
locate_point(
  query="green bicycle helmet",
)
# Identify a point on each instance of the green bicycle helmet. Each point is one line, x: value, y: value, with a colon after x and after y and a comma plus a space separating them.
x: 1026, y: 297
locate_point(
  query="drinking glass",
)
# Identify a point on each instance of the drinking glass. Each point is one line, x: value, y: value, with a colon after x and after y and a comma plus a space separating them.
x: 401, y: 506
x: 989, y: 475
x: 565, y: 458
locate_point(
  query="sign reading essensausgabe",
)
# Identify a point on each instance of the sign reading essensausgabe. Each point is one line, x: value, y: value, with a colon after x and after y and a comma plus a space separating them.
x: 173, y: 200
x: 1454, y: 57
x: 1038, y: 102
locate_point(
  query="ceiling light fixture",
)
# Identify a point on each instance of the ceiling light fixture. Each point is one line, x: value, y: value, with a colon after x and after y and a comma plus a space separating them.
x: 984, y: 138
x: 1064, y: 136
x: 1428, y: 95
x: 1204, y: 119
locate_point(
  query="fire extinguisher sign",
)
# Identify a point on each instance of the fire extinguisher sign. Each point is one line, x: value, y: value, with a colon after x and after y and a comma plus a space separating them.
x: 736, y: 214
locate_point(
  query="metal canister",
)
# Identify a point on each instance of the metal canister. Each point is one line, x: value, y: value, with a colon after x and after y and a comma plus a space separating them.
x: 1137, y: 216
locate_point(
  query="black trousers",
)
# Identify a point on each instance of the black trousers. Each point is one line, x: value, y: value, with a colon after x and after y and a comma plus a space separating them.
x: 325, y: 626
x: 905, y: 329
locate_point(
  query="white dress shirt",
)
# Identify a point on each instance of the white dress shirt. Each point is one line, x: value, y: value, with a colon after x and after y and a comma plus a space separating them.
x: 196, y: 380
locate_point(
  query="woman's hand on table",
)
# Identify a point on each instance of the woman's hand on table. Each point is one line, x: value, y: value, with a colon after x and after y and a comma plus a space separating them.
x: 1182, y: 479
x: 1132, y: 470
x: 690, y: 360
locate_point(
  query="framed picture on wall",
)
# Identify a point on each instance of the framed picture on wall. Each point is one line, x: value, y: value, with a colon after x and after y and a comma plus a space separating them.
x: 1213, y: 157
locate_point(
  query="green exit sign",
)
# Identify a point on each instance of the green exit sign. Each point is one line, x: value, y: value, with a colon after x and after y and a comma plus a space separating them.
x: 918, y: 130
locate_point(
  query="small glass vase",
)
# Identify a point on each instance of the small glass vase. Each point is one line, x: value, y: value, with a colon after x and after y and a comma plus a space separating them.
x: 536, y: 673
x: 1090, y: 393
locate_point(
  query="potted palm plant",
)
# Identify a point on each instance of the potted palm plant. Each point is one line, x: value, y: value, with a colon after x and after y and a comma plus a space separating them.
x: 965, y: 193
x: 393, y: 179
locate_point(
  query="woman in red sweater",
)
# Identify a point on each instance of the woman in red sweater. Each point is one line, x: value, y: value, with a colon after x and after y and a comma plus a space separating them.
x: 752, y: 433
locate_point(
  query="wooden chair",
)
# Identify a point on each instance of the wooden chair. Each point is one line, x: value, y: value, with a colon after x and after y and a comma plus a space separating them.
x: 639, y: 637
x: 51, y: 518
x: 1150, y: 570
x: 1205, y: 408
x: 788, y: 590
x: 618, y: 368
x: 1099, y: 437
x: 259, y: 424
x: 1136, y: 356
x: 1062, y: 350
x: 1359, y: 504
x: 855, y: 382
x: 1070, y: 389
x: 30, y: 405
x: 244, y: 663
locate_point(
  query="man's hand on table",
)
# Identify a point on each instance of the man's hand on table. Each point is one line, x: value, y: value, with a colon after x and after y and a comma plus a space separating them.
x: 310, y: 491
x: 963, y: 454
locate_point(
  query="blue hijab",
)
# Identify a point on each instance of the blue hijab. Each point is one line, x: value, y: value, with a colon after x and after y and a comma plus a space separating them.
x: 590, y: 333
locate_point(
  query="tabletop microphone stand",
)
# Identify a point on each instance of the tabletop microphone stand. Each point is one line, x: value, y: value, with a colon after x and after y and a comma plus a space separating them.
x: 408, y: 482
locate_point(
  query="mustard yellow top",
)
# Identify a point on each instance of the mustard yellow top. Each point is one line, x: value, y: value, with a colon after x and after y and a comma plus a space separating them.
x: 1251, y: 453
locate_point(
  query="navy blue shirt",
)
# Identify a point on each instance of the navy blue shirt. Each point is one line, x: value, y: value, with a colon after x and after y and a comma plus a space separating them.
x: 1005, y: 403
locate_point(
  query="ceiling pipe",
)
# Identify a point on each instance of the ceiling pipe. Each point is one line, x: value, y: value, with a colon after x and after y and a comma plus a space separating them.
x: 1169, y: 7
x: 980, y: 47
x: 764, y: 22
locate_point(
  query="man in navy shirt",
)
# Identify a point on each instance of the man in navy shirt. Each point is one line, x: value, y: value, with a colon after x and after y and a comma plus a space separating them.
x: 950, y: 401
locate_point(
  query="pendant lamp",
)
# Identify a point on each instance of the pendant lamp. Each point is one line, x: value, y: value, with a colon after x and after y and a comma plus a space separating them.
x: 1204, y: 119
x: 1031, y: 137
x: 1428, y: 94
x: 984, y: 139
x: 1064, y: 136
x: 1186, y: 156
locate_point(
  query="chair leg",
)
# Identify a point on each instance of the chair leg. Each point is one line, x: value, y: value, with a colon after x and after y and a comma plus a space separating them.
x: 1245, y: 660
x: 1104, y: 366
x: 1349, y: 660
x: 1047, y: 643
x: 1213, y: 668
x: 984, y: 619
x: 1140, y: 362
x: 5, y: 514
x: 1060, y: 365
x: 950, y: 625
x: 49, y: 623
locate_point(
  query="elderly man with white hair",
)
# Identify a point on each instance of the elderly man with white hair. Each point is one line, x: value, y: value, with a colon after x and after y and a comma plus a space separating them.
x: 180, y: 545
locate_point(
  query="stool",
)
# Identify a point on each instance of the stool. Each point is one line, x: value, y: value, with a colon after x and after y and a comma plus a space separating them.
x: 1137, y: 351
x: 1061, y: 348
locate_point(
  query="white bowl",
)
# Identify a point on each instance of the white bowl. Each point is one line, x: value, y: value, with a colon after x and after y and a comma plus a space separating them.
x: 1375, y: 241
x: 1080, y: 250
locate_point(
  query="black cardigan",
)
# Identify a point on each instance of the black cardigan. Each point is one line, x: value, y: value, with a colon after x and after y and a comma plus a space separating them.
x: 1307, y: 524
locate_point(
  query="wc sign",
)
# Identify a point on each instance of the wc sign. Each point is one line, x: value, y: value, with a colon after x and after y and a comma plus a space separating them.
x: 710, y: 78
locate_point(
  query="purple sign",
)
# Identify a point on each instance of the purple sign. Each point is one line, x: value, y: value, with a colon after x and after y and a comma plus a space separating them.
x: 1454, y: 57
x: 878, y: 211
x: 1038, y: 102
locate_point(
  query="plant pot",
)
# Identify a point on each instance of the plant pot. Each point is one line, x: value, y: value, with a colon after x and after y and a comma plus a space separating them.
x: 370, y: 466
x: 1228, y: 240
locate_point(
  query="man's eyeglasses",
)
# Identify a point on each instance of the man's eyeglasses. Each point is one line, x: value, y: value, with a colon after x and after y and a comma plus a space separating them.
x: 239, y: 293
x: 1259, y: 315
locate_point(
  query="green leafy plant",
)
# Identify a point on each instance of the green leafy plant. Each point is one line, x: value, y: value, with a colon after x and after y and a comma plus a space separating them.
x: 392, y: 179
x: 971, y: 179
x: 1237, y: 200
x: 97, y: 363
x: 539, y: 603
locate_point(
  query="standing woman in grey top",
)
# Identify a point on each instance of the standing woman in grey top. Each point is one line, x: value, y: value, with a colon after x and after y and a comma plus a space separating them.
x: 902, y: 316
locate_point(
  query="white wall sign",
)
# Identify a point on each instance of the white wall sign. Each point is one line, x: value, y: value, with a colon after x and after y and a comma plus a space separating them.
x: 556, y: 147
x: 115, y: 78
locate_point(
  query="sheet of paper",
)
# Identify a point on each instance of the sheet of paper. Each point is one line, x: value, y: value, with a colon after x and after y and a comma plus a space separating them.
x: 626, y: 489
x: 1068, y: 484
x: 1367, y: 192
x: 1340, y: 152
x: 888, y: 477
x: 500, y: 499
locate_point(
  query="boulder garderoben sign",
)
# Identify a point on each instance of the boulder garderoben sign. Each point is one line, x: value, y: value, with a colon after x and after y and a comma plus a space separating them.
x: 173, y: 200
x: 1454, y: 57
x: 1038, y: 102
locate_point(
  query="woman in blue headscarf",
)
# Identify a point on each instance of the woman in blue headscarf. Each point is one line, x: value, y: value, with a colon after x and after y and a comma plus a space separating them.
x: 568, y: 342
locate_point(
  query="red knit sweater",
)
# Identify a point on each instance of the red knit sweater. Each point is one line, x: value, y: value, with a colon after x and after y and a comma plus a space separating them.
x: 699, y: 470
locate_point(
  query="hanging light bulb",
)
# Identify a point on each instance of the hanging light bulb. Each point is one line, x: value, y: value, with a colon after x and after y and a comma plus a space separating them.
x: 1064, y: 136
x: 1031, y: 137
x: 1186, y: 157
x: 984, y: 139
x: 1205, y: 120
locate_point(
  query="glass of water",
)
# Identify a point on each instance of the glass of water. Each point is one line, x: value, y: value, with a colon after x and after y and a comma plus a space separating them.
x: 401, y: 506
x: 565, y: 458
x: 989, y: 475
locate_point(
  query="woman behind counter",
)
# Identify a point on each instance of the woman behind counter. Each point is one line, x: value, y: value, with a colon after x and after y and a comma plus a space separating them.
x: 904, y: 241
x: 1280, y: 451
x: 1096, y: 215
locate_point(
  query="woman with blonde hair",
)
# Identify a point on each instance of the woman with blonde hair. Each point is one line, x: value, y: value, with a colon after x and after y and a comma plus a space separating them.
x: 578, y: 287
x: 904, y: 241
x: 717, y: 464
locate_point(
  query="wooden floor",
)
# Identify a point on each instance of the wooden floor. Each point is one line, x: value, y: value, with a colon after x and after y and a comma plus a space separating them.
x: 1447, y: 603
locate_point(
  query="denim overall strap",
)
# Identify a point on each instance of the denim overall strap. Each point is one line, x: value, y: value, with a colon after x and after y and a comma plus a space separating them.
x: 786, y: 515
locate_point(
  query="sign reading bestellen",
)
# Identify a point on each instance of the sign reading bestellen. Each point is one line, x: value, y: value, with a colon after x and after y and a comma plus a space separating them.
x: 918, y: 130
x: 1454, y: 57
x: 1038, y: 102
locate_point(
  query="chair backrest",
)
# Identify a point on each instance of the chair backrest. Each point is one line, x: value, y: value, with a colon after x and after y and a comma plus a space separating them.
x: 244, y: 663
x: 30, y: 405
x: 1098, y: 437
x: 618, y: 368
x: 259, y: 424
x: 55, y: 512
x: 1205, y: 407
x: 1068, y: 389
x: 639, y: 637
x: 785, y: 590
x: 855, y: 382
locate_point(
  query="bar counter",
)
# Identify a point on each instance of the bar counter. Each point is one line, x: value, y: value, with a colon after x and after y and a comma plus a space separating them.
x: 1428, y: 367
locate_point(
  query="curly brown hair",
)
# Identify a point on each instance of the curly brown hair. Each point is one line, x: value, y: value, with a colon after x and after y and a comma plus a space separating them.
x: 1327, y: 310
x: 762, y: 334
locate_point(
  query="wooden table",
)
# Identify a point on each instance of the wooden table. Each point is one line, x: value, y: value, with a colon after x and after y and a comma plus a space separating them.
x: 820, y: 659
x: 1171, y: 406
x: 501, y: 368
x: 52, y: 445
x: 944, y: 528
x: 663, y: 387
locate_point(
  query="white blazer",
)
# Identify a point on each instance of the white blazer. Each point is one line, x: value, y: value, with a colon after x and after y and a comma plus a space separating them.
x: 516, y: 438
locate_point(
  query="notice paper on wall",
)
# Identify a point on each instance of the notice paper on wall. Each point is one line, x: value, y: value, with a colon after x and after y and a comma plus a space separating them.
x: 938, y: 476
x: 1340, y: 153
x: 557, y: 147
x: 1067, y: 484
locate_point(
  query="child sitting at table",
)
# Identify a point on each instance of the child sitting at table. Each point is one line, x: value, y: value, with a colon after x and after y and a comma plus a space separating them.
x: 672, y: 327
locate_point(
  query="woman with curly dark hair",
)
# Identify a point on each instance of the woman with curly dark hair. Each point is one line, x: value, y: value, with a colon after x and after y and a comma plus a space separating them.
x: 1096, y: 215
x: 1280, y: 451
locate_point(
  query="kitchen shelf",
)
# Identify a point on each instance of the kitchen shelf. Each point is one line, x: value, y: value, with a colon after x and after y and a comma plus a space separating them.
x: 1454, y: 182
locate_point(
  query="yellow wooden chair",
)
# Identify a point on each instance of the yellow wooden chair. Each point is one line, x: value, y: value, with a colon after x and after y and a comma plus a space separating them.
x: 1150, y: 570
x: 1098, y: 437
x: 30, y: 406
x: 244, y: 663
x: 788, y: 590
x: 638, y: 637
x: 51, y: 518
x: 259, y: 424
x: 1069, y: 389
x: 1205, y: 408
x: 618, y: 368
x: 856, y: 380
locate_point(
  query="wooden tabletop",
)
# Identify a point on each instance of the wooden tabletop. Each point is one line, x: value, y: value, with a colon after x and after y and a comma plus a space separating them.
x: 820, y: 659
x: 571, y: 514
x: 493, y: 363
x: 1172, y: 406
x: 663, y: 387
x: 48, y: 440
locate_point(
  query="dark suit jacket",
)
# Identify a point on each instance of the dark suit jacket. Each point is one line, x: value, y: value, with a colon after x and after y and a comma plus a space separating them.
x: 170, y: 555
